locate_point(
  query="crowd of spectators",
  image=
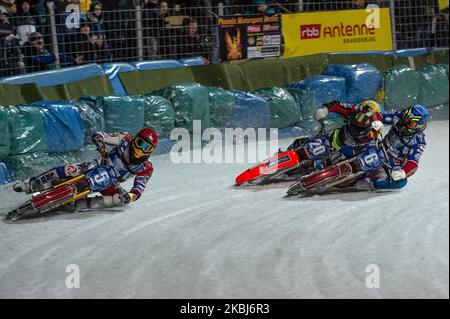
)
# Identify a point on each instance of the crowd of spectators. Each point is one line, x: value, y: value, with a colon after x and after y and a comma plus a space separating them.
x: 105, y: 30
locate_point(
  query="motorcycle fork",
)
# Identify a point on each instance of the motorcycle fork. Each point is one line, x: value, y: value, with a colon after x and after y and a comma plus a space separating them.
x: 76, y: 197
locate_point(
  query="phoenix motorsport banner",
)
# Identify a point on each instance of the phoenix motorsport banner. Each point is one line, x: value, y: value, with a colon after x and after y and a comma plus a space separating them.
x: 250, y: 37
x: 337, y: 31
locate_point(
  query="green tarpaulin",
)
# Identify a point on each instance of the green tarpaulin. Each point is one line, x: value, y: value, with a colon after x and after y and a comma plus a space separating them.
x: 159, y: 115
x: 434, y: 85
x: 284, y: 110
x: 5, y: 143
x: 27, y: 129
x: 401, y: 87
x: 190, y: 102
x: 123, y: 113
x: 28, y: 165
x: 221, y: 103
x: 92, y: 116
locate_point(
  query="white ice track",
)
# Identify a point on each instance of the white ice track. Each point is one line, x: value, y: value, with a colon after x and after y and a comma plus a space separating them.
x: 193, y: 235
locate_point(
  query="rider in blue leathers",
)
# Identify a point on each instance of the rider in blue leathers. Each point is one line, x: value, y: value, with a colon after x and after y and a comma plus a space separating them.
x: 404, y: 144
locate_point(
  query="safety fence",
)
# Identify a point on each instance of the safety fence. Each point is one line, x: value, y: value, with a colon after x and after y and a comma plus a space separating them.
x: 63, y: 36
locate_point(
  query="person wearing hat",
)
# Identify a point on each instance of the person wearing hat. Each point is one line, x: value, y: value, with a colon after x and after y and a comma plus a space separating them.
x: 37, y: 58
x: 86, y: 47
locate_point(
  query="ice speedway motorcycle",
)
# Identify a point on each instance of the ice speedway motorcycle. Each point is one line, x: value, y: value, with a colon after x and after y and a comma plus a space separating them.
x: 286, y: 165
x: 283, y: 165
x: 343, y: 175
x: 69, y: 191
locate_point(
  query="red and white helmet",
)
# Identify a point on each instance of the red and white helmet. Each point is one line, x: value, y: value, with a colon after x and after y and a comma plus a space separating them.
x: 143, y: 144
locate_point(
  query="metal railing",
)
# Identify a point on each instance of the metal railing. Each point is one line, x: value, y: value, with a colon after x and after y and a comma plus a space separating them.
x: 64, y: 36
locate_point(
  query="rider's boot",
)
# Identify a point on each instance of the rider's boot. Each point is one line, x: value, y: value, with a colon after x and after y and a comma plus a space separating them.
x: 31, y: 186
x: 38, y: 183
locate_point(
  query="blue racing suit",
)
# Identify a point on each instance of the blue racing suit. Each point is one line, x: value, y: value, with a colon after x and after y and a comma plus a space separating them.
x: 404, y: 153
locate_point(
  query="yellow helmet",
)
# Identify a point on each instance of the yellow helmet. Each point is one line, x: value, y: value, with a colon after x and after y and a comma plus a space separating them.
x: 370, y: 106
x: 365, y: 111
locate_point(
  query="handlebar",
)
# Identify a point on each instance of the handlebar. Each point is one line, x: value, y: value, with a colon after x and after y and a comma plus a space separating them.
x: 383, y: 148
x: 101, y: 148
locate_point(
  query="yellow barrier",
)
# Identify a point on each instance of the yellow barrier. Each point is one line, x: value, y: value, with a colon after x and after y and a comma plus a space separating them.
x: 337, y: 31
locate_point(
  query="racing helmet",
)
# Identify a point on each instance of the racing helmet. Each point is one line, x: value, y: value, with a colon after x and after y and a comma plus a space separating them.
x: 363, y: 117
x: 142, y: 145
x: 413, y: 120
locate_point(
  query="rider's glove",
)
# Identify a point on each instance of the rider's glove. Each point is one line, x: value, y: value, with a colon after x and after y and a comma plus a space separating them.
x: 377, y: 125
x: 398, y: 174
x: 320, y: 114
x: 127, y: 197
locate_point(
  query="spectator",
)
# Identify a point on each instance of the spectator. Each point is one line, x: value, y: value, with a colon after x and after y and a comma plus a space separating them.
x: 95, y: 17
x: 189, y: 44
x: 25, y: 21
x: 65, y: 10
x: 358, y: 4
x: 424, y: 12
x: 164, y: 34
x: 150, y: 5
x: 151, y: 28
x: 85, y: 46
x: 441, y: 34
x: 262, y: 7
x: 37, y: 58
x: 11, y: 59
x: 239, y: 6
x: 118, y: 28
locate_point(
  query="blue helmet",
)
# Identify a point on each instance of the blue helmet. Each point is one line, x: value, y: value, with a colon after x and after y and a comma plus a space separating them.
x: 413, y: 120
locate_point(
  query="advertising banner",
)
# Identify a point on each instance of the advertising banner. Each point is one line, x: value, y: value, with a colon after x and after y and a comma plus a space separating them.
x: 337, y: 31
x: 443, y: 4
x: 250, y: 38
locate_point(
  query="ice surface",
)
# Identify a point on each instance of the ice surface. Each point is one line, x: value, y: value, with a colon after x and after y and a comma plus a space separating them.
x: 193, y: 235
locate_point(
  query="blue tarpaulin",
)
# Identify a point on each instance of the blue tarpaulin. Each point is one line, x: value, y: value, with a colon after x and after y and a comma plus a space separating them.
x: 63, y: 125
x: 249, y: 111
x: 5, y: 174
x: 363, y: 80
x: 324, y: 88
